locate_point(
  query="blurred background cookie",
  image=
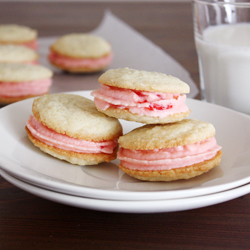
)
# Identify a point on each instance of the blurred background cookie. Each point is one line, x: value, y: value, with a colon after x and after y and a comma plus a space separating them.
x: 17, y: 54
x: 18, y: 35
x: 69, y: 127
x: 169, y: 152
x: 80, y: 53
x: 141, y: 96
x: 21, y: 81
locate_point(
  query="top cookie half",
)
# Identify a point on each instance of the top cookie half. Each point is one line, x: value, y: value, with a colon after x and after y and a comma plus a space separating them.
x: 17, y: 72
x: 143, y: 80
x: 185, y: 132
x: 81, y: 46
x: 75, y: 116
x: 12, y: 33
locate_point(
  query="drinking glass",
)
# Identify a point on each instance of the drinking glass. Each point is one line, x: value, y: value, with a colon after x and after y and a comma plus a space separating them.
x: 222, y: 39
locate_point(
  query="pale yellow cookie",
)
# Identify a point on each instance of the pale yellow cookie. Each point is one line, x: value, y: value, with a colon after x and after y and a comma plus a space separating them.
x: 151, y: 152
x: 15, y: 72
x: 81, y: 46
x: 17, y: 54
x: 16, y: 34
x: 80, y: 53
x: 181, y: 133
x: 21, y: 81
x: 74, y: 117
x: 143, y: 80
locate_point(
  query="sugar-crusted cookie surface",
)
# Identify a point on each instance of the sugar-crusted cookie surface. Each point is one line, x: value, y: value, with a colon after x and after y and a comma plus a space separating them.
x: 170, y: 135
x: 13, y: 72
x: 143, y: 80
x: 12, y: 33
x: 75, y: 116
x: 16, y: 54
x: 81, y: 46
x: 177, y: 173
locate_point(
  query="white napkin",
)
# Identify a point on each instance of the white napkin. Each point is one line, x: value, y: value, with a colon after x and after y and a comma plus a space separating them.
x: 131, y: 49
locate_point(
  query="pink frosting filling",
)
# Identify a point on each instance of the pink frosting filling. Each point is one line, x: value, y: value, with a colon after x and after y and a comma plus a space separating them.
x: 155, y: 104
x: 169, y: 158
x: 86, y: 62
x: 52, y: 138
x: 15, y: 89
x: 32, y: 44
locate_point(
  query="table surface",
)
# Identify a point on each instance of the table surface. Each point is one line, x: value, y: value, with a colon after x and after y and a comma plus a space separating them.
x: 30, y: 222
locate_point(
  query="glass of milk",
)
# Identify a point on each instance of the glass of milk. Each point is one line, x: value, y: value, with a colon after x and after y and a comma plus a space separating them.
x: 222, y: 39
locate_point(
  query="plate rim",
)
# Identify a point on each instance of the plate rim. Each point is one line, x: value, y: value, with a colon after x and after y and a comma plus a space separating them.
x: 118, y: 206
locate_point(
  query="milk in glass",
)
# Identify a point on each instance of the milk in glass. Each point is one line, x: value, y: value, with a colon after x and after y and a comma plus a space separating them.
x: 224, y: 62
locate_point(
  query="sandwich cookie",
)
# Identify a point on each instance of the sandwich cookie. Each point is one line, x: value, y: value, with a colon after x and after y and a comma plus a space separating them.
x: 169, y: 152
x: 80, y: 53
x: 17, y: 54
x: 70, y: 128
x: 141, y: 96
x: 22, y: 81
x: 18, y: 35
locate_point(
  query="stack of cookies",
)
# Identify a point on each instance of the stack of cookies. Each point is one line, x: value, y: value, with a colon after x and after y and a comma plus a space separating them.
x: 168, y: 147
x: 73, y: 53
x: 86, y: 132
x: 20, y: 75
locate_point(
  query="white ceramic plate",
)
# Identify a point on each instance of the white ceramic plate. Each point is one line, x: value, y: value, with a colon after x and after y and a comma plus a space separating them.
x: 20, y: 158
x: 156, y: 206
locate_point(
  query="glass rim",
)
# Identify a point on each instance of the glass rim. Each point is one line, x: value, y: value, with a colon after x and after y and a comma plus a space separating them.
x: 222, y: 3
